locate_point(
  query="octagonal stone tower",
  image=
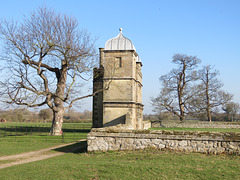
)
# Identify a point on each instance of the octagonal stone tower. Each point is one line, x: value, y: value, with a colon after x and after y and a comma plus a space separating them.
x: 118, y: 85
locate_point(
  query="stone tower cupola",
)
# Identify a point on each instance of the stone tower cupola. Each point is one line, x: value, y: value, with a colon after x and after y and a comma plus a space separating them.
x: 118, y: 83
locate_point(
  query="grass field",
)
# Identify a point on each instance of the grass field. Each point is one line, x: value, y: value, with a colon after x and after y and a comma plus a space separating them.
x: 144, y: 164
x: 22, y: 137
x: 16, y: 138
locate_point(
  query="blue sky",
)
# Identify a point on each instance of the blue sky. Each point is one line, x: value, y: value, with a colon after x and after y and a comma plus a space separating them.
x: 208, y: 29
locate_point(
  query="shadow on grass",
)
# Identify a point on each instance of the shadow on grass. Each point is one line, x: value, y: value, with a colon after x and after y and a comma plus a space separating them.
x: 19, y: 130
x: 79, y: 147
x: 42, y: 129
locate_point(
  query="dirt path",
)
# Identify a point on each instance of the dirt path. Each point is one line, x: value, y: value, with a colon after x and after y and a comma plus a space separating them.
x: 37, y: 155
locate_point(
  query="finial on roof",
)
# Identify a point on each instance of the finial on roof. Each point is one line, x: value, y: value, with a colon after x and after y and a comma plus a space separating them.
x: 120, y: 29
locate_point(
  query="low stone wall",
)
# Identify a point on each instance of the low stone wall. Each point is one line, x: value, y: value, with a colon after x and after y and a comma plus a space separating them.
x: 110, y: 139
x: 203, y: 124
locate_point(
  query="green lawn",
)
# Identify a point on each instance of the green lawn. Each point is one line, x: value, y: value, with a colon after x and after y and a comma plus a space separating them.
x: 198, y: 129
x: 34, y: 136
x: 144, y: 164
x: 16, y: 138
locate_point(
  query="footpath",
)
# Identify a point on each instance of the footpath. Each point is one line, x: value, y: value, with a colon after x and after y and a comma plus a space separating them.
x: 42, y: 154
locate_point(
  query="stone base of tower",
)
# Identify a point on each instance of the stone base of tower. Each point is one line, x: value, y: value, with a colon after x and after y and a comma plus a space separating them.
x: 128, y: 115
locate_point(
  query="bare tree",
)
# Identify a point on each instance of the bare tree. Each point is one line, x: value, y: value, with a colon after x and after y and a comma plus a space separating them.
x: 46, y: 57
x: 231, y: 110
x: 174, y: 94
x: 209, y: 92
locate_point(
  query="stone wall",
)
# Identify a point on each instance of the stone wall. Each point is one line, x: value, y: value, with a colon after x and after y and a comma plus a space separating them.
x: 202, y: 124
x: 110, y: 139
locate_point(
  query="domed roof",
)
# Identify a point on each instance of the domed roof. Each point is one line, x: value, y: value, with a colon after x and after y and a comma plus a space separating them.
x: 119, y: 43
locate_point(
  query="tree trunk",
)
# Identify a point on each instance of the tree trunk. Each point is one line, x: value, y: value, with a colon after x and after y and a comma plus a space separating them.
x: 181, y: 87
x: 181, y: 107
x: 182, y: 114
x: 182, y: 118
x: 209, y: 114
x: 58, y: 110
x: 56, y: 129
x: 208, y: 98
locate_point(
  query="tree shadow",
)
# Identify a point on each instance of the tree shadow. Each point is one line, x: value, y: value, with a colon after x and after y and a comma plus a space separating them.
x: 21, y: 130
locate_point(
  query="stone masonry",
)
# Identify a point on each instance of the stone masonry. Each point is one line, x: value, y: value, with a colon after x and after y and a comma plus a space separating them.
x: 111, y: 139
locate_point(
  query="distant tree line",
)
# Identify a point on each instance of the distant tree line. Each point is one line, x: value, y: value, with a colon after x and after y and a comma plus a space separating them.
x: 191, y: 92
x: 216, y: 116
x: 44, y: 115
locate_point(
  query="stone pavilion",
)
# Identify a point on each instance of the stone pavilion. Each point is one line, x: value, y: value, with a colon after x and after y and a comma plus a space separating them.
x: 118, y: 85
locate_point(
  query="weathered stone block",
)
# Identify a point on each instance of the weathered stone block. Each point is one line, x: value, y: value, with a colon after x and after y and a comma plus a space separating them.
x: 183, y: 143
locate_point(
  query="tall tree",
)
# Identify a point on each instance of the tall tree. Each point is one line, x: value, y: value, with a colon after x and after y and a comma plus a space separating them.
x: 209, y: 92
x: 174, y: 94
x: 46, y: 57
